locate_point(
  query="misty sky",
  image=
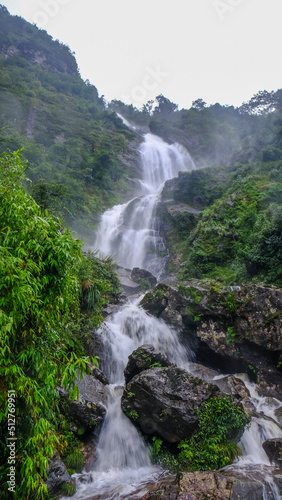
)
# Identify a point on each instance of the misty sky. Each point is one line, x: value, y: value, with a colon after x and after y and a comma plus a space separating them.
x: 220, y: 50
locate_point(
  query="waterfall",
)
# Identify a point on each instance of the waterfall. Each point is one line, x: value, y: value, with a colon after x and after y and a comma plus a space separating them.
x: 130, y: 232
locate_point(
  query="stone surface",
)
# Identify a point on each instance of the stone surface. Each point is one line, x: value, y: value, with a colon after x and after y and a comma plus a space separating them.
x: 273, y: 449
x: 224, y: 485
x: 129, y: 286
x: 57, y: 475
x: 90, y: 409
x: 138, y: 275
x: 237, y: 329
x: 278, y: 415
x: 163, y: 401
x: 99, y: 375
x: 204, y: 485
x: 141, y: 359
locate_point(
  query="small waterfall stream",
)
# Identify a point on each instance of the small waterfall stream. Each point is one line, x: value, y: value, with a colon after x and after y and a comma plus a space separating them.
x: 128, y: 232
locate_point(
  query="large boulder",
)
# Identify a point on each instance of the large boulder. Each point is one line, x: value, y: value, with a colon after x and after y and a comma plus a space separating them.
x: 142, y: 359
x: 127, y: 283
x: 236, y: 329
x: 198, y: 485
x: 163, y: 401
x: 219, y: 486
x: 90, y: 409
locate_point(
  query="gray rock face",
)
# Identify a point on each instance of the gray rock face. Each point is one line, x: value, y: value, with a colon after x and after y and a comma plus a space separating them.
x: 209, y: 486
x: 90, y: 410
x: 164, y: 401
x: 234, y: 330
x: 273, y: 449
x: 57, y: 475
x: 141, y: 359
x: 129, y: 286
x: 138, y: 275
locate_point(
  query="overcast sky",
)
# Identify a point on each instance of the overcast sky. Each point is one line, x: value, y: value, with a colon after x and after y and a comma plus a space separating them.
x: 220, y: 50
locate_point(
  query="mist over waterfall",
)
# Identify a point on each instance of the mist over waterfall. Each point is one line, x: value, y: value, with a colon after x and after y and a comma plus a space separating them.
x: 130, y: 232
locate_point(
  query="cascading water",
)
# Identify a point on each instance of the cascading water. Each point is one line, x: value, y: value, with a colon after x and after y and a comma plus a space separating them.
x: 123, y: 468
x: 129, y: 232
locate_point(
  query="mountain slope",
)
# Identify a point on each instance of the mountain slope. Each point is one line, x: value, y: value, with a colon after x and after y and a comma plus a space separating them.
x: 79, y: 153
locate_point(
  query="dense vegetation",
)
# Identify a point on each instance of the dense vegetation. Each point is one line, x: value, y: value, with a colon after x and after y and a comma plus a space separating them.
x: 74, y: 165
x: 75, y: 147
x: 236, y: 237
x: 213, y: 446
x: 51, y: 293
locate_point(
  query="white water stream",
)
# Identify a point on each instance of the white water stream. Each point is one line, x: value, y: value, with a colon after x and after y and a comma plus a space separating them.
x: 123, y: 463
x: 123, y: 468
x: 129, y: 232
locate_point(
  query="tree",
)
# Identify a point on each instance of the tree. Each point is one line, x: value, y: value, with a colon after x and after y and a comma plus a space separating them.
x: 165, y: 106
x: 199, y: 104
x: 148, y: 107
x: 39, y: 338
x: 262, y: 103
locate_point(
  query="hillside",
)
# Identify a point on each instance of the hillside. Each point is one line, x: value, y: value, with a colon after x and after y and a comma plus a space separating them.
x: 79, y: 153
x: 222, y: 221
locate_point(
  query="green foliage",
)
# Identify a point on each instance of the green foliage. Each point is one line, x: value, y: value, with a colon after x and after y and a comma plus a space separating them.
x: 212, y: 447
x: 73, y: 144
x: 231, y: 304
x: 74, y: 460
x: 98, y: 279
x: 145, y: 285
x: 40, y: 322
x: 68, y: 489
x: 230, y: 335
x: 155, y: 365
x: 162, y: 455
x: 132, y: 414
x: 155, y: 447
x: 238, y: 238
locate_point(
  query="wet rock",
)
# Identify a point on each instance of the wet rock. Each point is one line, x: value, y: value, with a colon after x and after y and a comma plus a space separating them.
x: 234, y: 386
x: 229, y: 384
x: 273, y: 449
x: 219, y: 486
x: 223, y: 485
x: 277, y: 476
x: 163, y: 401
x: 129, y: 286
x: 90, y: 409
x: 203, y: 485
x: 142, y: 359
x: 156, y: 302
x: 89, y: 452
x: 139, y: 275
x: 278, y: 415
x: 57, y: 475
x: 165, y: 489
x: 99, y: 375
x: 83, y: 479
